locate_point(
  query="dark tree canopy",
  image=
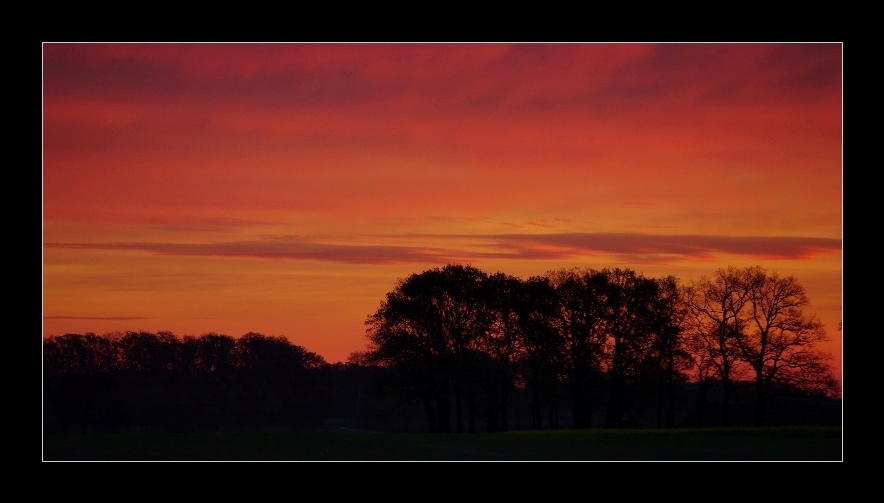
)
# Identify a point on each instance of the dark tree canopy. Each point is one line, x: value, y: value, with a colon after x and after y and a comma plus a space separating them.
x: 142, y: 381
x: 607, y: 336
x: 431, y: 326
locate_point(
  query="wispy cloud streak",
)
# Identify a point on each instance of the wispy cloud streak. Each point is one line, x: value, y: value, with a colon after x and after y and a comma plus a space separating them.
x: 100, y: 318
x: 292, y: 249
x: 541, y: 246
x: 649, y: 247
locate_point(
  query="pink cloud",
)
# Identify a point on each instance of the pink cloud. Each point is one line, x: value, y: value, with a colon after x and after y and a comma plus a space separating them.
x: 515, y: 246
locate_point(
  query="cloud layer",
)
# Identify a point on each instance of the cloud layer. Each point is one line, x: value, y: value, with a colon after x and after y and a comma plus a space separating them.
x: 642, y: 247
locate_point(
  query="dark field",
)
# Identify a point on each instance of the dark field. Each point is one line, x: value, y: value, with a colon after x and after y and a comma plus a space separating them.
x: 734, y: 444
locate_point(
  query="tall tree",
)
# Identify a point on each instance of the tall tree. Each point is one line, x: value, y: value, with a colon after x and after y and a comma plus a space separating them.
x: 430, y: 323
x: 537, y: 309
x: 717, y: 314
x: 502, y: 344
x: 581, y: 328
x: 642, y: 320
x: 669, y: 354
x: 779, y: 342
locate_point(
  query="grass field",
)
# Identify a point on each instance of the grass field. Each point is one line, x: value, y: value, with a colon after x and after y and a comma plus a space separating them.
x: 734, y: 444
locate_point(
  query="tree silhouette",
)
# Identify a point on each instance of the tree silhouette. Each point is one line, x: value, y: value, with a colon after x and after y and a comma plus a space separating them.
x: 276, y: 380
x: 746, y: 322
x: 642, y: 324
x: 669, y: 354
x: 537, y: 309
x: 210, y: 353
x: 74, y: 371
x: 149, y: 353
x: 779, y: 342
x: 581, y: 329
x: 716, y: 317
x: 463, y: 343
x: 142, y: 381
x: 502, y: 344
x: 427, y: 327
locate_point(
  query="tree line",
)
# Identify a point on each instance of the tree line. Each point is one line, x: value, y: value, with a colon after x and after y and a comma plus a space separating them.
x: 142, y: 381
x: 453, y: 336
x: 458, y: 349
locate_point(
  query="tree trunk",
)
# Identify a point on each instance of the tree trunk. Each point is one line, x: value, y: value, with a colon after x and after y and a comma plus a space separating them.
x: 582, y: 408
x: 726, y: 399
x: 459, y: 409
x: 553, y: 417
x: 701, y: 404
x: 670, y: 398
x: 471, y: 411
x: 759, y: 401
x: 536, y: 412
x: 443, y: 411
x: 491, y: 411
x: 504, y: 424
x: 614, y: 418
x: 431, y: 414
x: 660, y: 405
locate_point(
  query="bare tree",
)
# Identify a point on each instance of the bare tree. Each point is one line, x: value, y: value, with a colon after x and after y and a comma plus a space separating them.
x: 717, y: 310
x: 780, y: 342
x: 747, y: 323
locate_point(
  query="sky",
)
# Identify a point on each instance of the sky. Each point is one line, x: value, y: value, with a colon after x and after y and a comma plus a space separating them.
x: 285, y: 188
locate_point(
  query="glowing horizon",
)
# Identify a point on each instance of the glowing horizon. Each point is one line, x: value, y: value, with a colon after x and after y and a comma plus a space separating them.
x: 284, y: 188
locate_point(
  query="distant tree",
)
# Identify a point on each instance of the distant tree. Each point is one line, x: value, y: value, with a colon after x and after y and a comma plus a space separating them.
x: 75, y: 367
x: 146, y: 381
x: 209, y: 353
x: 278, y: 381
x: 149, y: 353
x: 358, y: 358
x: 81, y: 354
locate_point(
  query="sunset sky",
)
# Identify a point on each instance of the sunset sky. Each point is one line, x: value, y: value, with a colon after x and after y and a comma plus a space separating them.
x: 284, y: 188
